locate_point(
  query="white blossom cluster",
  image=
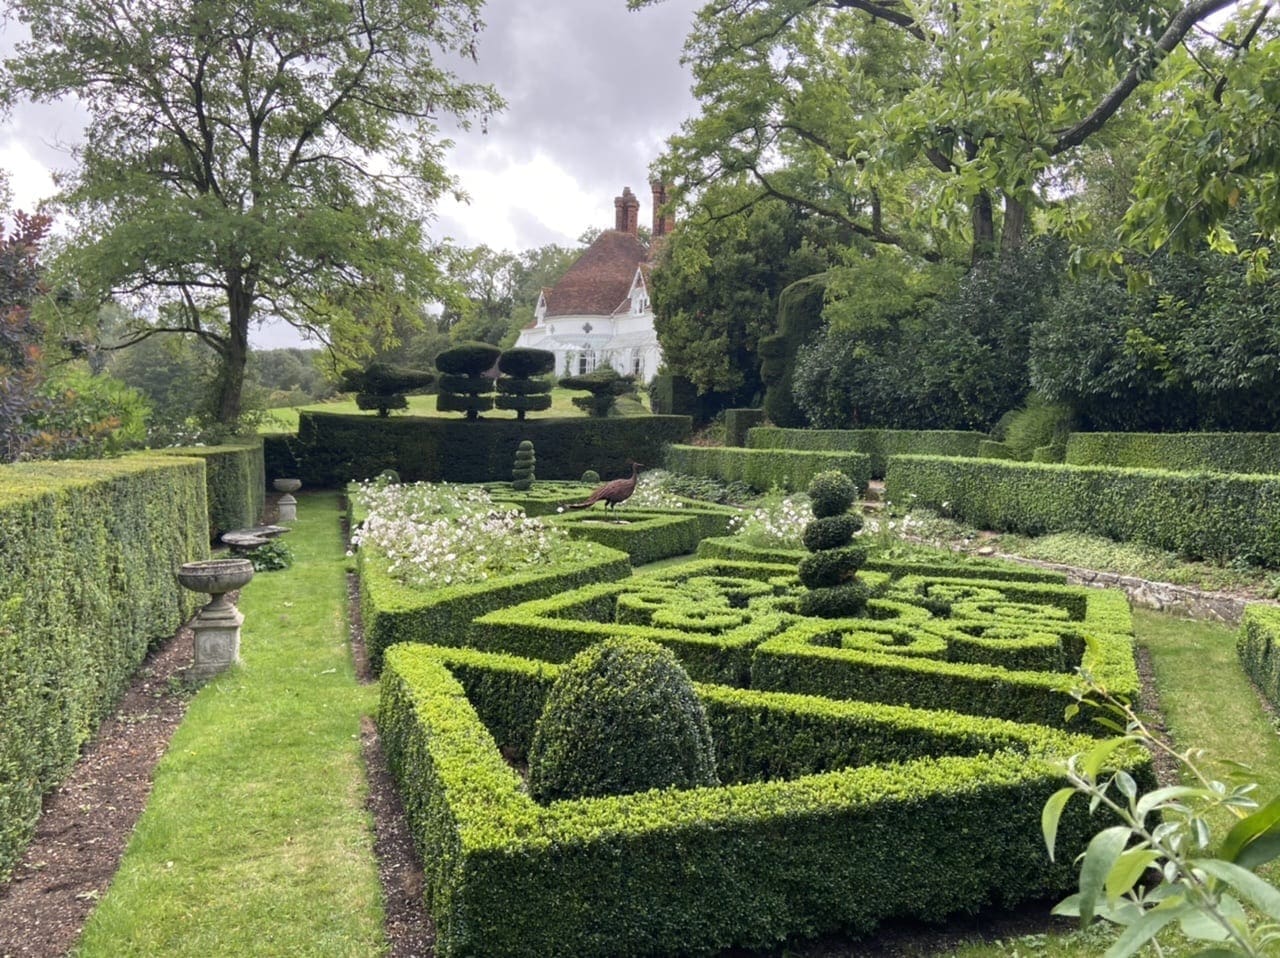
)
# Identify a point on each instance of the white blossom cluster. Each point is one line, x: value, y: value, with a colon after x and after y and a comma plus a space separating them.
x: 777, y: 524
x: 437, y: 534
x: 651, y: 493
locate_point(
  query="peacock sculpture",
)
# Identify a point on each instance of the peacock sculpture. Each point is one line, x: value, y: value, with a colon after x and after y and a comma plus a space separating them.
x: 612, y: 493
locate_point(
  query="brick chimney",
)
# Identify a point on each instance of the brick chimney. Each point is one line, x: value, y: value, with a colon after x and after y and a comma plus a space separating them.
x: 662, y: 223
x: 626, y: 212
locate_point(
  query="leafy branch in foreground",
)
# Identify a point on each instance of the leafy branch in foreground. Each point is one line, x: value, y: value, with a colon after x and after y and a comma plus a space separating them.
x: 1161, y: 865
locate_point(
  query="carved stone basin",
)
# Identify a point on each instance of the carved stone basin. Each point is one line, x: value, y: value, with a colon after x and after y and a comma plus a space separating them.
x: 287, y: 485
x: 216, y: 577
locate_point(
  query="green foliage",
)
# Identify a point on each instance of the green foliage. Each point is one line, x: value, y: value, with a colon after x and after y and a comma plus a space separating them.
x: 831, y: 566
x: 739, y: 422
x: 20, y: 334
x: 1161, y: 865
x: 763, y: 469
x: 525, y: 363
x: 1258, y: 645
x: 272, y: 556
x: 87, y: 416
x: 236, y: 481
x: 382, y: 386
x: 331, y: 450
x: 104, y: 539
x: 622, y: 717
x: 799, y: 321
x: 717, y: 284
x: 1243, y: 452
x: 1038, y: 423
x: 648, y: 535
x: 605, y: 385
x: 590, y: 476
x: 991, y: 449
x: 468, y: 359
x: 843, y: 601
x: 879, y: 444
x: 522, y: 470
x: 831, y: 532
x: 283, y: 206
x: 831, y: 493
x: 1194, y: 514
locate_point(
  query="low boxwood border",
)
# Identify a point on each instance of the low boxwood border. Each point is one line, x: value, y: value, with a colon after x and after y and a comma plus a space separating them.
x: 1242, y: 452
x: 699, y: 870
x: 1259, y: 648
x: 879, y: 444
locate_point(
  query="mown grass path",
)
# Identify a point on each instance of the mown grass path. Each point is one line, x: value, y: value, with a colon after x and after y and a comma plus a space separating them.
x: 255, y: 840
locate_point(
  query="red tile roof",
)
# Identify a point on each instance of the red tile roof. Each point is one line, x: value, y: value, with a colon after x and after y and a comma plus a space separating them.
x: 600, y: 279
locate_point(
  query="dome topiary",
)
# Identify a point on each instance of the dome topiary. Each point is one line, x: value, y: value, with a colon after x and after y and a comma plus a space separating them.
x: 468, y: 359
x: 524, y: 362
x: 591, y: 476
x: 622, y: 717
x: 831, y: 532
x: 831, y: 493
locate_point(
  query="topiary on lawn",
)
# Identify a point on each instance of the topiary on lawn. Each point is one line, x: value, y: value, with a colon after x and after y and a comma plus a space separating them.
x: 468, y: 374
x: 605, y: 384
x: 520, y: 391
x: 622, y: 717
x: 382, y: 386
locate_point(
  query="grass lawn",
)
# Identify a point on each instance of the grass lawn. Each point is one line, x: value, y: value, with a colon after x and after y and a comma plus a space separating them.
x: 255, y: 840
x: 285, y: 419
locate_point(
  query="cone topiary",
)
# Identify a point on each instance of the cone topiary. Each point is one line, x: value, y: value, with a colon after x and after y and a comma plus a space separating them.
x: 520, y: 391
x: 622, y: 717
x: 522, y: 471
x: 830, y: 573
x: 464, y: 385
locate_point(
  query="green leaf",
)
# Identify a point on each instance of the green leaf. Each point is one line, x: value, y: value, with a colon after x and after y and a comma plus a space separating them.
x: 1256, y: 836
x: 1151, y: 800
x: 1093, y: 760
x: 1050, y: 815
x: 1128, y: 869
x: 1140, y: 932
x: 1100, y: 857
x: 1263, y: 895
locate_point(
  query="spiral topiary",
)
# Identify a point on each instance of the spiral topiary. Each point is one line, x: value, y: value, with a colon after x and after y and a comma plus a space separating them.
x: 622, y: 717
x: 522, y: 471
x: 830, y: 573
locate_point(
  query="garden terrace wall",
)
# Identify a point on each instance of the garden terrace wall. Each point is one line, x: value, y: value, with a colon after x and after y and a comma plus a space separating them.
x: 1236, y: 452
x: 1259, y: 648
x: 879, y: 444
x: 762, y: 469
x: 1194, y: 514
x: 330, y: 450
x: 236, y: 479
x: 88, y: 552
x: 698, y: 870
x: 393, y: 612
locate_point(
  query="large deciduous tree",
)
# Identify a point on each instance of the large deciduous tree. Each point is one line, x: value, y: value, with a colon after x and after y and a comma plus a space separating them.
x: 253, y: 159
x: 920, y: 122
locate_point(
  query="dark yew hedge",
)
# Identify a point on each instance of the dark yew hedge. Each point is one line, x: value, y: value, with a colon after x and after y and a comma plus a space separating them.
x: 88, y: 552
x: 1244, y: 452
x: 235, y: 477
x: 879, y: 444
x: 331, y: 449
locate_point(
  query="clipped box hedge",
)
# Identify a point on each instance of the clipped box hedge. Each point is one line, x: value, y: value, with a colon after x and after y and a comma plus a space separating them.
x: 88, y: 552
x: 237, y: 483
x: 948, y: 823
x: 762, y: 469
x: 1259, y: 648
x: 879, y: 444
x: 1242, y: 452
x: 331, y: 449
x: 394, y: 612
x: 646, y: 535
x: 1198, y: 515
x: 738, y: 423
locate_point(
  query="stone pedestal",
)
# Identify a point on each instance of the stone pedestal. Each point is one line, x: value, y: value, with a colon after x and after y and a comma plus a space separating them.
x: 217, y: 640
x: 287, y: 508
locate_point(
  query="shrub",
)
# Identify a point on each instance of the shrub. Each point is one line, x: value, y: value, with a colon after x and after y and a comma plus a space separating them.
x: 464, y: 387
x: 522, y: 471
x: 1240, y: 452
x: 843, y: 601
x: 762, y: 469
x: 831, y: 493
x: 831, y: 532
x: 621, y: 718
x: 605, y: 385
x: 831, y: 566
x: 590, y: 476
x: 1259, y: 648
x: 524, y: 363
x: 521, y: 392
x: 382, y: 386
x: 878, y: 444
x: 1038, y: 423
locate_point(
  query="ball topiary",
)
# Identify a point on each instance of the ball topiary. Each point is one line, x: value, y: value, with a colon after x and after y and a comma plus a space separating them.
x: 622, y: 717
x: 831, y: 566
x: 831, y: 532
x: 591, y: 476
x: 847, y: 600
x: 831, y: 493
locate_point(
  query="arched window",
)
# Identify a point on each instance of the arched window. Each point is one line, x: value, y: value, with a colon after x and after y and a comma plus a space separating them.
x: 586, y: 361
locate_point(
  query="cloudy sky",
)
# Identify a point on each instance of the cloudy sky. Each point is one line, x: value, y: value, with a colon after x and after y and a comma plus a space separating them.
x: 592, y: 92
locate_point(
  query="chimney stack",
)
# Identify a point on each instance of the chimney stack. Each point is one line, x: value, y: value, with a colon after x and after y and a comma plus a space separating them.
x: 626, y: 212
x: 663, y: 223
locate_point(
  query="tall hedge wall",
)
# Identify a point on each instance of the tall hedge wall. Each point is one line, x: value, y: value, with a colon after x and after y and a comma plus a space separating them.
x: 332, y: 449
x: 237, y: 483
x: 788, y: 469
x: 1244, y: 452
x: 1259, y: 648
x: 88, y: 552
x: 738, y: 424
x: 1195, y: 514
x: 879, y: 444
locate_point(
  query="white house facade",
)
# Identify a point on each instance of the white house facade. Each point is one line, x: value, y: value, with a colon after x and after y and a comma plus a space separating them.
x: 599, y: 313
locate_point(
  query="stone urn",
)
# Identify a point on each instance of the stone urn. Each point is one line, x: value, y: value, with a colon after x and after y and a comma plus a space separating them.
x: 217, y: 625
x: 286, y: 505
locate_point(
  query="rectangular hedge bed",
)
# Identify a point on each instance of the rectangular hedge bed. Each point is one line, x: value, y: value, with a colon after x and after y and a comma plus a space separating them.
x: 840, y: 815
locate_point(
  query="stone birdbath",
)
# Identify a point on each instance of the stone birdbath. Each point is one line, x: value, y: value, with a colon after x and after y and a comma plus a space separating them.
x: 217, y: 625
x: 286, y: 504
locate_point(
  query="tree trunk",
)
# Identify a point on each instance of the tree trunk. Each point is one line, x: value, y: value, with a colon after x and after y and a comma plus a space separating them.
x: 236, y: 354
x: 1015, y: 225
x: 984, y: 228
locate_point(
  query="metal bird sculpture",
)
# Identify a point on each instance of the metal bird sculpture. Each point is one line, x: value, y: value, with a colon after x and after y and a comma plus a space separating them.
x: 612, y: 493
